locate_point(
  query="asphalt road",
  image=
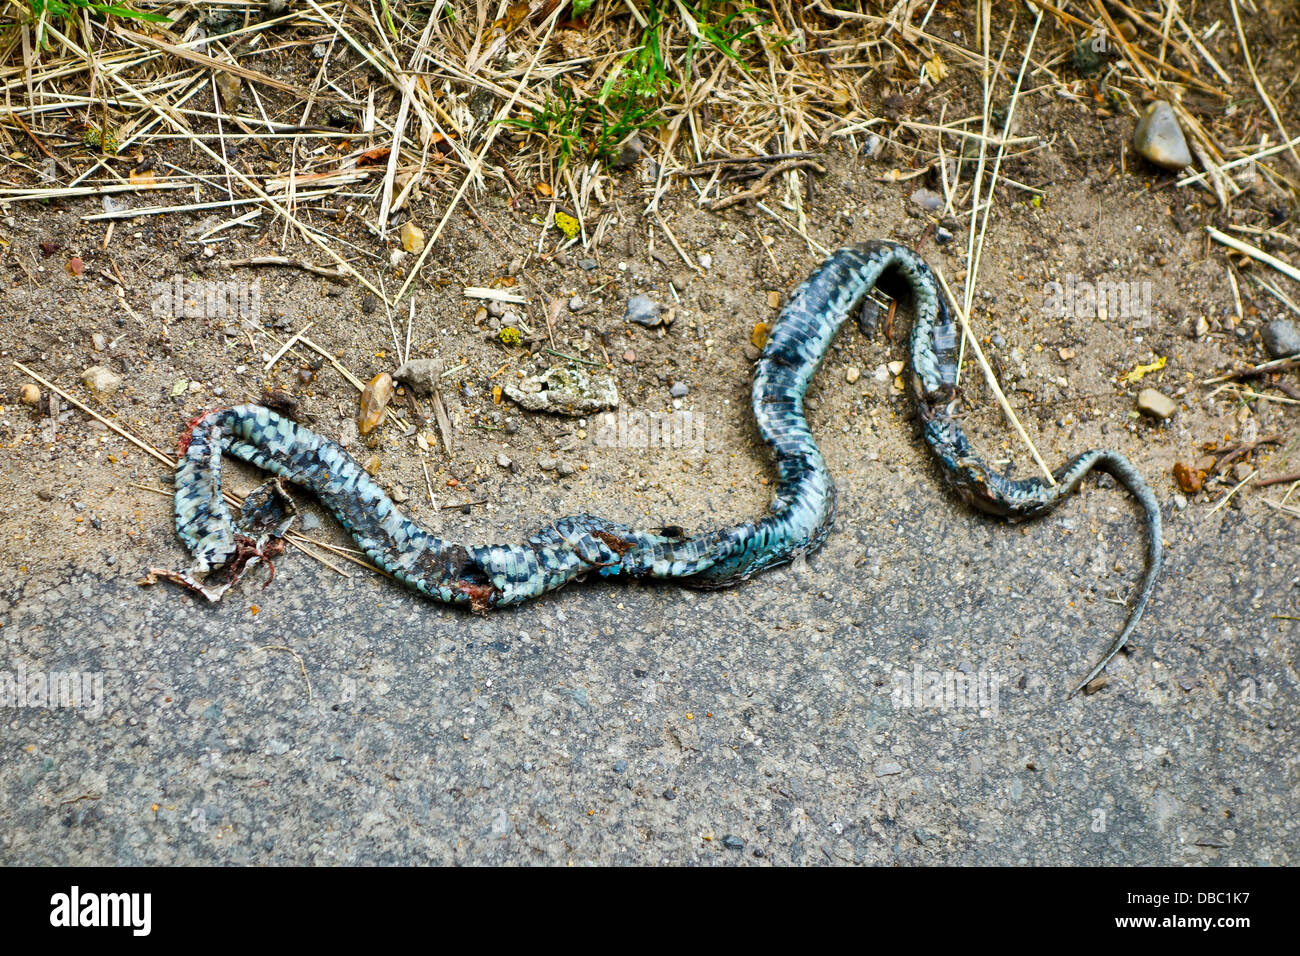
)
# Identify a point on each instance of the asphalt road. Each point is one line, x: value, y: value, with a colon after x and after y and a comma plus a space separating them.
x: 348, y: 721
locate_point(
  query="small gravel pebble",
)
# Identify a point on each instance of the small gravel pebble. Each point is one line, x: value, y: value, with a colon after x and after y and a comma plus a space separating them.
x: 576, y: 303
x: 1158, y: 137
x: 643, y: 310
x: 546, y: 464
x: 853, y: 374
x: 679, y: 390
x: 503, y: 461
x: 564, y: 469
x: 732, y: 842
x: 1281, y: 338
x: 1156, y: 405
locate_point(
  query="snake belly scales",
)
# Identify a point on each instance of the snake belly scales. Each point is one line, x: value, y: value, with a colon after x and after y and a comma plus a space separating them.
x: 485, y: 576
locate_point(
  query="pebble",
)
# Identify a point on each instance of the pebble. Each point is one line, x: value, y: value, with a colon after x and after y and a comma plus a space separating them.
x: 620, y: 766
x: 398, y: 494
x: 852, y: 375
x: 732, y: 842
x: 99, y: 342
x: 587, y: 265
x: 887, y: 768
x: 412, y: 237
x: 496, y: 308
x: 374, y: 399
x: 1156, y: 405
x: 546, y: 464
x: 421, y: 374
x: 1159, y: 139
x: 29, y: 394
x: 564, y: 469
x: 576, y: 303
x: 101, y: 381
x: 679, y: 390
x: 503, y: 461
x: 706, y: 260
x: 564, y: 390
x: 643, y: 310
x: 751, y: 354
x: 629, y: 356
x: 372, y: 465
x: 928, y: 199
x: 1281, y: 338
x: 629, y: 152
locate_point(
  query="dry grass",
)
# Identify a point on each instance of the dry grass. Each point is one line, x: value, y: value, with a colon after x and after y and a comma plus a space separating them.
x: 345, y: 118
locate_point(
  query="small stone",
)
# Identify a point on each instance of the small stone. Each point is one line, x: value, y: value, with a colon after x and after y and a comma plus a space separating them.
x: 369, y: 303
x: 758, y: 336
x: 628, y: 152
x: 45, y: 494
x: 1189, y: 479
x: 503, y: 461
x: 732, y: 842
x: 101, y: 381
x: 496, y: 308
x: 1159, y: 139
x: 751, y: 354
x: 1180, y: 502
x: 629, y: 356
x: 773, y: 299
x: 399, y: 495
x: 546, y: 464
x: 643, y: 310
x: 564, y: 469
x: 99, y: 342
x: 421, y: 374
x: 1202, y: 328
x: 1152, y: 403
x: 1241, y: 471
x: 587, y: 265
x: 230, y: 88
x: 679, y: 390
x: 1281, y: 338
x: 620, y: 766
x: 372, y: 465
x: 928, y: 199
x: 852, y: 375
x: 1065, y: 354
x: 576, y: 303
x: 374, y: 399
x: 29, y: 394
x: 888, y: 768
x: 706, y: 260
x: 669, y: 795
x: 412, y: 237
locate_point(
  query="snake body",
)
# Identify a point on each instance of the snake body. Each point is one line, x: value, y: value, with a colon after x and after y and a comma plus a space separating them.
x: 485, y: 576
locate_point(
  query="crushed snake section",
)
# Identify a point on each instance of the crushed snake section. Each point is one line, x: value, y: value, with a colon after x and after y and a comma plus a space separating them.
x: 487, y: 576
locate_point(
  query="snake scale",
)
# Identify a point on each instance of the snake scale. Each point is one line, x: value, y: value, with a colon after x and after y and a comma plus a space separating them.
x: 486, y: 576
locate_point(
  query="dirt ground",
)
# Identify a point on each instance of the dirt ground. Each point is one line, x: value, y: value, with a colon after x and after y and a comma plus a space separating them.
x: 76, y: 498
